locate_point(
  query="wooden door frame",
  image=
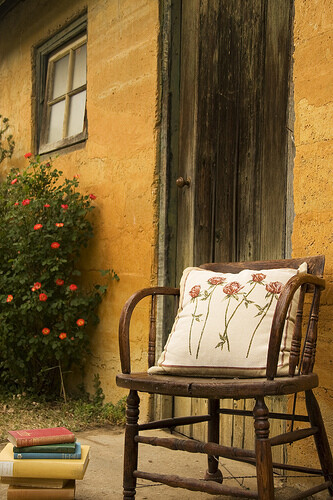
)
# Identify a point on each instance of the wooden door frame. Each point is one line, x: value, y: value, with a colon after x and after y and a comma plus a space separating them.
x: 169, y: 13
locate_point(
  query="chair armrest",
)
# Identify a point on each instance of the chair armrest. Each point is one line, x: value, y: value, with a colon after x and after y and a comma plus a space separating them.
x: 125, y: 319
x: 280, y: 314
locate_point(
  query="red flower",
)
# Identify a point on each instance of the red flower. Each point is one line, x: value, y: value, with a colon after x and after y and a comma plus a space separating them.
x: 59, y: 282
x: 76, y: 176
x: 38, y: 226
x: 25, y: 202
x: 47, y: 205
x: 27, y: 155
x: 33, y: 289
x: 59, y: 224
x: 16, y: 204
x: 73, y: 287
x: 216, y: 280
x: 42, y: 297
x: 37, y: 285
x: 72, y: 338
x: 46, y: 331
x: 258, y: 277
x: 55, y: 244
x: 63, y: 335
x: 92, y: 197
x: 274, y: 287
x: 14, y: 181
x: 80, y: 322
x: 232, y: 288
x: 9, y: 298
x: 195, y: 290
x: 64, y: 207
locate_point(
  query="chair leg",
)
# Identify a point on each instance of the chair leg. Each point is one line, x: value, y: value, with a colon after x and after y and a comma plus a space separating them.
x: 263, y: 451
x: 131, y: 447
x: 213, y: 472
x: 322, y: 444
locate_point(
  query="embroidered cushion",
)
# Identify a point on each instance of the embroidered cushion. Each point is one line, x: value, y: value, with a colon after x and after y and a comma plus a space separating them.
x: 223, y: 324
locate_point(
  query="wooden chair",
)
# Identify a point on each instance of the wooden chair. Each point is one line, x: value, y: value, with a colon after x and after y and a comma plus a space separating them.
x: 301, y: 378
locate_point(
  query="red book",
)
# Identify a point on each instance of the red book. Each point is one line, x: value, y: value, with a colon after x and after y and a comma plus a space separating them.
x: 33, y: 437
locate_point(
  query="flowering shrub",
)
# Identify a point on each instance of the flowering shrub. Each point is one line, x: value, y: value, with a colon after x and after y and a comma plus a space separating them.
x: 45, y: 314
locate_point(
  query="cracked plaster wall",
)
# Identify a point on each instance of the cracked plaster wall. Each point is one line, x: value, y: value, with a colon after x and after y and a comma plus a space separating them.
x: 313, y: 176
x: 118, y: 162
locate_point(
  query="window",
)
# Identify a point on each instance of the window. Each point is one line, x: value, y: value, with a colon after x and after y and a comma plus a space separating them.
x: 62, y: 88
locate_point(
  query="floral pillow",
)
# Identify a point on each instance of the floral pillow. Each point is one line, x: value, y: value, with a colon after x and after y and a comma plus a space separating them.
x: 223, y: 323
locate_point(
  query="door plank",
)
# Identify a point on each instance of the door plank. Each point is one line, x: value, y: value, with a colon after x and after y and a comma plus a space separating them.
x: 274, y: 154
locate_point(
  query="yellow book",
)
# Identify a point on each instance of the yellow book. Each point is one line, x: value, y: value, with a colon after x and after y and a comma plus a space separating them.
x: 19, y: 493
x: 34, y: 482
x: 56, y: 468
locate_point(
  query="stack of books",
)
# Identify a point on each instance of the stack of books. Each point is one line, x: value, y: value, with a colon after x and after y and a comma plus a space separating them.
x: 42, y: 464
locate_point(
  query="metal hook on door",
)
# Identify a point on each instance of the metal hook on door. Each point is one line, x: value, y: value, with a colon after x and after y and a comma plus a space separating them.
x: 181, y: 182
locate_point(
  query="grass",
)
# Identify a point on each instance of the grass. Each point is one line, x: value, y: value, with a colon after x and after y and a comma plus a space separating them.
x: 23, y: 412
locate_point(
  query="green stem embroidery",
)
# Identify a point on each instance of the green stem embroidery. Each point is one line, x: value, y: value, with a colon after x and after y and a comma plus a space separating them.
x: 190, y: 335
x: 225, y: 317
x: 256, y: 328
x: 227, y: 322
x: 204, y: 326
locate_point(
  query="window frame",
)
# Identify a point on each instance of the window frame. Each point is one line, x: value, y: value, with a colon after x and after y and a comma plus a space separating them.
x: 75, y: 32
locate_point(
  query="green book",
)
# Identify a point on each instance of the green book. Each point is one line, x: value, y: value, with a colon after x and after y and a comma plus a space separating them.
x: 47, y: 448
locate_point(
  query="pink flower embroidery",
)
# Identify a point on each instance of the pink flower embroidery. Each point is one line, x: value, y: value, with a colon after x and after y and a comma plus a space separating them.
x: 232, y: 288
x: 195, y: 290
x: 274, y: 287
x: 216, y: 280
x: 258, y: 278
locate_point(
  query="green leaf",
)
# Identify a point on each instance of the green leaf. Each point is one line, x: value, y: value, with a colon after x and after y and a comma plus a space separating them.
x: 105, y: 272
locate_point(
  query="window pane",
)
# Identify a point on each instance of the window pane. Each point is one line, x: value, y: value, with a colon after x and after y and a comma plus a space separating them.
x: 80, y: 66
x: 60, y: 76
x: 56, y: 121
x: 77, y: 107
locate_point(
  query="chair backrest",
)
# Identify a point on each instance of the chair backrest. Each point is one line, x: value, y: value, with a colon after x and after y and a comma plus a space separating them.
x: 315, y: 265
x: 302, y: 354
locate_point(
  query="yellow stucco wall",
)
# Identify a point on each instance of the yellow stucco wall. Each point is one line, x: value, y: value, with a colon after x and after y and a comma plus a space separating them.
x: 118, y: 162
x: 313, y: 174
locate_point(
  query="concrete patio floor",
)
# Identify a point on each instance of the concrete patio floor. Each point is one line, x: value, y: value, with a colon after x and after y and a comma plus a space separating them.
x: 103, y: 478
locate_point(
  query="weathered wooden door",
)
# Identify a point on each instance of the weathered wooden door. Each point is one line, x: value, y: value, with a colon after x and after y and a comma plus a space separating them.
x: 229, y: 142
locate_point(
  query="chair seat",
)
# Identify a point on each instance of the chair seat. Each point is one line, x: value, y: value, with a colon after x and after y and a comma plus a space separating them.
x: 217, y: 388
